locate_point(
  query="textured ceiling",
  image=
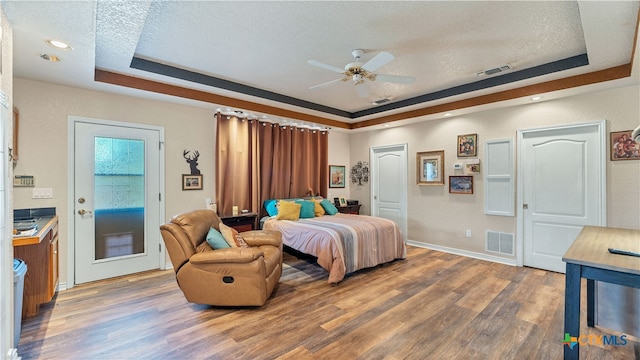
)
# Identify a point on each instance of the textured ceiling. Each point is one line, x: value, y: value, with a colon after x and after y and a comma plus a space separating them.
x: 263, y: 47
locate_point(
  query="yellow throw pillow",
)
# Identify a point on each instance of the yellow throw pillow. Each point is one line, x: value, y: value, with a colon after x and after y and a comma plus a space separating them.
x: 232, y: 237
x: 319, y: 210
x: 288, y: 211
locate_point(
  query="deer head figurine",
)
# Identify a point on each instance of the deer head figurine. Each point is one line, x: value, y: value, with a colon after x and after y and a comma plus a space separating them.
x: 192, y: 161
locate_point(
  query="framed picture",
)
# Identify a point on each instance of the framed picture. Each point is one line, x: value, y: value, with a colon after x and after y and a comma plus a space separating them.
x: 343, y: 201
x: 472, y: 168
x: 623, y: 147
x: 461, y: 184
x: 467, y: 145
x: 430, y: 168
x: 191, y: 182
x: 336, y: 176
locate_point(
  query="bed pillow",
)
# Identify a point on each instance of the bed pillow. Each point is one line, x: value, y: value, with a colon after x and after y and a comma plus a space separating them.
x: 318, y: 210
x: 216, y: 240
x: 307, y: 208
x: 288, y: 210
x: 271, y: 206
x: 232, y: 237
x: 329, y: 208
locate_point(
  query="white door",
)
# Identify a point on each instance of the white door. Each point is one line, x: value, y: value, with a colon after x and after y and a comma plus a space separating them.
x: 116, y: 200
x: 563, y: 172
x: 389, y: 184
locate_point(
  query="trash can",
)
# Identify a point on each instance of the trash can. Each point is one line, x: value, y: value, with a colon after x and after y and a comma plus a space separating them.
x: 19, y: 270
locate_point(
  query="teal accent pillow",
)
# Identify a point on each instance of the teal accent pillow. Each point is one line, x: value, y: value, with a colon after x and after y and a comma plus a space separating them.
x: 271, y: 206
x: 329, y: 208
x: 216, y: 240
x: 307, y: 209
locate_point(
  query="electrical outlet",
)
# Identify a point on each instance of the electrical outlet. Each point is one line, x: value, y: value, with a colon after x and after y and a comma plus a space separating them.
x: 468, y: 233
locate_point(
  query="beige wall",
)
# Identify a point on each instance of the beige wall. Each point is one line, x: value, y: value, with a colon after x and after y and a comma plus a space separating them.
x: 435, y: 217
x: 438, y: 218
x: 44, y: 110
x: 339, y: 155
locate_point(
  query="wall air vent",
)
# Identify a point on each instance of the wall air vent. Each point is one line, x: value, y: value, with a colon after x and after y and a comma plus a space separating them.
x: 495, y: 70
x: 499, y: 242
x: 381, y: 101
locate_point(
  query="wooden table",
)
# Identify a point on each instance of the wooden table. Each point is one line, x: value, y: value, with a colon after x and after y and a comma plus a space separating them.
x: 241, y: 222
x: 589, y: 258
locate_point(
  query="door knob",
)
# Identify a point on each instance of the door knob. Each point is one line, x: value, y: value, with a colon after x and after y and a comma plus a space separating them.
x: 83, y: 211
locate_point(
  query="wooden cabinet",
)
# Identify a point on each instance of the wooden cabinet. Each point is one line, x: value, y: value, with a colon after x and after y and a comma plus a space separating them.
x: 240, y: 222
x: 40, y: 253
x: 54, y: 269
x: 350, y: 209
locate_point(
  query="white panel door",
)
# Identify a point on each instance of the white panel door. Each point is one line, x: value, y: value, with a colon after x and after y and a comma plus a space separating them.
x: 116, y: 198
x: 389, y: 184
x: 563, y: 175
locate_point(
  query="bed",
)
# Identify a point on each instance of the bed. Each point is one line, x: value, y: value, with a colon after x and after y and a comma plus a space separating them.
x: 342, y: 243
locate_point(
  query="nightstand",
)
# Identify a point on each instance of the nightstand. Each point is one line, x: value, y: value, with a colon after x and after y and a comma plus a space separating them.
x: 240, y: 222
x: 350, y: 209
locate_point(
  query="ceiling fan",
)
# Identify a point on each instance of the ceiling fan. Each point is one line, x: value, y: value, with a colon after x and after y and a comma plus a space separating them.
x: 358, y: 71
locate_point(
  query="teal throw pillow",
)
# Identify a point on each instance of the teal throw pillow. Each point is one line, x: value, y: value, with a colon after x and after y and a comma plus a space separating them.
x: 329, y: 208
x: 271, y: 206
x: 216, y: 240
x: 307, y: 209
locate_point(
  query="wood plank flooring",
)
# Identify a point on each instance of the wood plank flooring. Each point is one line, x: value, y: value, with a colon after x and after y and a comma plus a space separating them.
x: 432, y: 305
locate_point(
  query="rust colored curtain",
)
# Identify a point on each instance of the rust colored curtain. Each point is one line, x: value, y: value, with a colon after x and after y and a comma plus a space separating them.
x: 259, y: 160
x: 236, y: 166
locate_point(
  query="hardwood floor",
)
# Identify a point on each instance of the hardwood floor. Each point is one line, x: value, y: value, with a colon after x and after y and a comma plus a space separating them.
x: 432, y: 305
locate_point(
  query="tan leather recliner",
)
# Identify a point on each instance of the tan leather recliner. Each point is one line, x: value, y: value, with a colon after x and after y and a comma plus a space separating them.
x: 225, y: 277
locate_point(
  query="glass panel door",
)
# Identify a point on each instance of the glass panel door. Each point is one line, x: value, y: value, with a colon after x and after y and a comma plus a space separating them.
x: 119, y: 197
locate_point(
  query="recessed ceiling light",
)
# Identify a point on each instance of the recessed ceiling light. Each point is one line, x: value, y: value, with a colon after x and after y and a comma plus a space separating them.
x: 59, y: 44
x: 50, y: 57
x: 536, y: 98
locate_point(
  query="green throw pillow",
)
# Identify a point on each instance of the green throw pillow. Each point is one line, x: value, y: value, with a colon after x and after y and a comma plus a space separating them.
x: 329, y: 208
x: 215, y: 239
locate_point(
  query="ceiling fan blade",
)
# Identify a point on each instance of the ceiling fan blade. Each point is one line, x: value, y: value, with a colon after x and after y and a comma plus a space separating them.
x: 378, y: 61
x: 362, y: 90
x: 395, y: 79
x: 325, y: 84
x: 325, y: 66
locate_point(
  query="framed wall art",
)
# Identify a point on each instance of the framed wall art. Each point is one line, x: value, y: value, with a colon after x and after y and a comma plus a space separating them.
x: 336, y: 176
x: 191, y: 182
x: 467, y: 145
x: 623, y: 147
x: 430, y: 167
x: 461, y: 184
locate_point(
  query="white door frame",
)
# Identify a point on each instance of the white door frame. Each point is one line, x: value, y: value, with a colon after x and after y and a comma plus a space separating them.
x: 71, y: 240
x: 403, y: 174
x: 601, y: 125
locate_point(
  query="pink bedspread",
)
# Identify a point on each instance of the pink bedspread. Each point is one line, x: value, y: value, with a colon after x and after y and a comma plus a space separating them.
x: 343, y: 243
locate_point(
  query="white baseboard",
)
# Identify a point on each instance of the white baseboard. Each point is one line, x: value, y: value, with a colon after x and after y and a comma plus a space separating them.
x: 168, y: 266
x: 471, y: 254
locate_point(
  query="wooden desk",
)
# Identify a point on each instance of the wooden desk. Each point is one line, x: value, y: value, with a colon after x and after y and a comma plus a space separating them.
x: 589, y: 258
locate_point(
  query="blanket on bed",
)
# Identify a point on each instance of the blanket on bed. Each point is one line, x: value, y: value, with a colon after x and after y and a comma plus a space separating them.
x: 343, y: 243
